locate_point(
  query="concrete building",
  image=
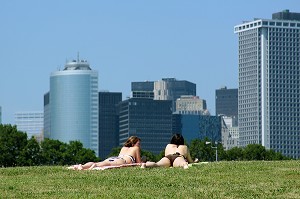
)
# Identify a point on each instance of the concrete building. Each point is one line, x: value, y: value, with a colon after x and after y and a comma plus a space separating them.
x: 189, y: 104
x: 30, y: 122
x: 227, y: 103
x: 72, y: 105
x: 108, y: 122
x: 165, y: 89
x: 269, y: 92
x: 150, y: 120
x: 230, y: 133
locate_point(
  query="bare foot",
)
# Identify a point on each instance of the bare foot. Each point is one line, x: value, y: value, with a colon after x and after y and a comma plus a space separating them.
x: 185, y: 166
x: 143, y: 165
x: 71, y: 167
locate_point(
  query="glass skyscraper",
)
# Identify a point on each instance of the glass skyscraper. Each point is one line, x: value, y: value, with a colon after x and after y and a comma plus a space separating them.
x: 30, y: 122
x: 269, y: 82
x: 108, y: 122
x: 150, y: 120
x: 73, y: 105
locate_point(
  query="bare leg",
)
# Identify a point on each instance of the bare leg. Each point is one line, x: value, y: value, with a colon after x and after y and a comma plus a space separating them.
x: 180, y: 162
x: 164, y: 162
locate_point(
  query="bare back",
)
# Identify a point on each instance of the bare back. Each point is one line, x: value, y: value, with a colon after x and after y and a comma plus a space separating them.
x: 132, y: 151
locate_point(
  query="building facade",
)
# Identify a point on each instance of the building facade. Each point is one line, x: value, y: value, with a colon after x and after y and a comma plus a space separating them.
x: 189, y: 104
x: 150, y: 120
x: 227, y: 102
x: 193, y: 126
x: 165, y: 89
x: 269, y: 91
x: 73, y: 105
x: 31, y: 122
x: 108, y: 122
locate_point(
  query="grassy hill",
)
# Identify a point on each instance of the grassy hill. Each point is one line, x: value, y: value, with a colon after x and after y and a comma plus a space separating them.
x: 257, y: 179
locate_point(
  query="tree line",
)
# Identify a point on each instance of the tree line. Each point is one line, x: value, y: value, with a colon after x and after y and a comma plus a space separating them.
x: 17, y: 150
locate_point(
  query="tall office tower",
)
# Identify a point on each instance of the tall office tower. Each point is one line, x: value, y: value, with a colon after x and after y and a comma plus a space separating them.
x: 172, y: 89
x: 30, y: 122
x: 165, y: 89
x: 73, y: 105
x: 269, y: 92
x: 150, y: 120
x: 189, y: 104
x: 193, y: 126
x: 227, y: 103
x: 142, y: 89
x: 108, y: 122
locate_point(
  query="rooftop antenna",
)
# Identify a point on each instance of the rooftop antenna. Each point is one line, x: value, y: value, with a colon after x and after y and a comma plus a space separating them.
x: 77, y: 56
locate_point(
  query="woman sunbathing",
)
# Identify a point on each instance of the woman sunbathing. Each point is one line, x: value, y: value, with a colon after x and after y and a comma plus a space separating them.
x: 129, y: 154
x: 176, y: 155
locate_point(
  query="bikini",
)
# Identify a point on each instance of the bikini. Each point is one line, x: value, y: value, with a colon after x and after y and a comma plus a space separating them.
x: 172, y: 157
x: 111, y: 159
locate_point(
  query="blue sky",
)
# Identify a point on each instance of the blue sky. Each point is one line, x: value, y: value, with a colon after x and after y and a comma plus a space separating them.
x: 124, y: 41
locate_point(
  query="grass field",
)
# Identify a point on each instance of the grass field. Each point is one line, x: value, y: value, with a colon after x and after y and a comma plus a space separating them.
x: 257, y: 179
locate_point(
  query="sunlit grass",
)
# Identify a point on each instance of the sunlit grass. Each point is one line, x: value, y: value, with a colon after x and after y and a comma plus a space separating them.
x: 257, y: 179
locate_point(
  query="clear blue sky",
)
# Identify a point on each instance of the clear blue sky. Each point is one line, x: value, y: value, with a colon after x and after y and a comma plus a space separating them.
x: 124, y: 41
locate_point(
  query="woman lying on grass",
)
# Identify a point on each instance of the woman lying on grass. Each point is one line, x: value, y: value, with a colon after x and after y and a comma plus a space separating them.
x: 129, y: 154
x: 176, y: 155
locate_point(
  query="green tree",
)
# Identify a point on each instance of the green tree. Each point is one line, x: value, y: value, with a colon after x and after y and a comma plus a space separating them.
x: 235, y: 153
x: 52, y: 152
x: 12, y: 142
x: 75, y: 153
x: 254, y: 152
x: 199, y: 149
x: 31, y: 154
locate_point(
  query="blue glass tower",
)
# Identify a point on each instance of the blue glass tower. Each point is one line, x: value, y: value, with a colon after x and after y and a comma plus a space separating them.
x: 73, y: 101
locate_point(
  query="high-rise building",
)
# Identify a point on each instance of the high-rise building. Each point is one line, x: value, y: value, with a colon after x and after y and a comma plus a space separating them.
x: 108, y: 122
x: 172, y: 89
x: 73, y: 105
x: 269, y: 92
x: 165, y: 89
x: 227, y: 103
x: 193, y: 126
x: 150, y: 120
x: 189, y: 104
x: 30, y: 122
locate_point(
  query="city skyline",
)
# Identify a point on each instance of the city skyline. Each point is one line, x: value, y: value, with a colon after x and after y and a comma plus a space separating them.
x: 124, y: 42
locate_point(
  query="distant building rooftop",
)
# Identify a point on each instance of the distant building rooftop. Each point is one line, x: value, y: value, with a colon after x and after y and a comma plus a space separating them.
x: 77, y: 65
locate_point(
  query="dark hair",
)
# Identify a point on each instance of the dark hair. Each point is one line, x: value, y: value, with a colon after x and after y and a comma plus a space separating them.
x: 131, y: 141
x: 177, y: 139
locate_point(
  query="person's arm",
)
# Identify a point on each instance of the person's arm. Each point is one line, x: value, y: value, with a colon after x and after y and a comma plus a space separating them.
x: 189, y: 158
x: 138, y: 155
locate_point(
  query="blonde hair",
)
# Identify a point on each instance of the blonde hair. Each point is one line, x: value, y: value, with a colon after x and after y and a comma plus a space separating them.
x: 131, y: 141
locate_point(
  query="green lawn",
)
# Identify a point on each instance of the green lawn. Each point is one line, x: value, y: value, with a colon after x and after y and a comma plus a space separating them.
x: 257, y: 179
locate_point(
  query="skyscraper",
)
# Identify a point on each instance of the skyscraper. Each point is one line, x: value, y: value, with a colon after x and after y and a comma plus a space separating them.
x: 108, y: 122
x: 149, y: 119
x: 269, y: 79
x: 189, y: 104
x: 165, y: 89
x: 30, y: 122
x: 73, y: 105
x: 227, y: 103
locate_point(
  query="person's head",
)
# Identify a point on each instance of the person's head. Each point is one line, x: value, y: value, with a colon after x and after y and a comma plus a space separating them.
x: 177, y: 139
x: 131, y: 141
